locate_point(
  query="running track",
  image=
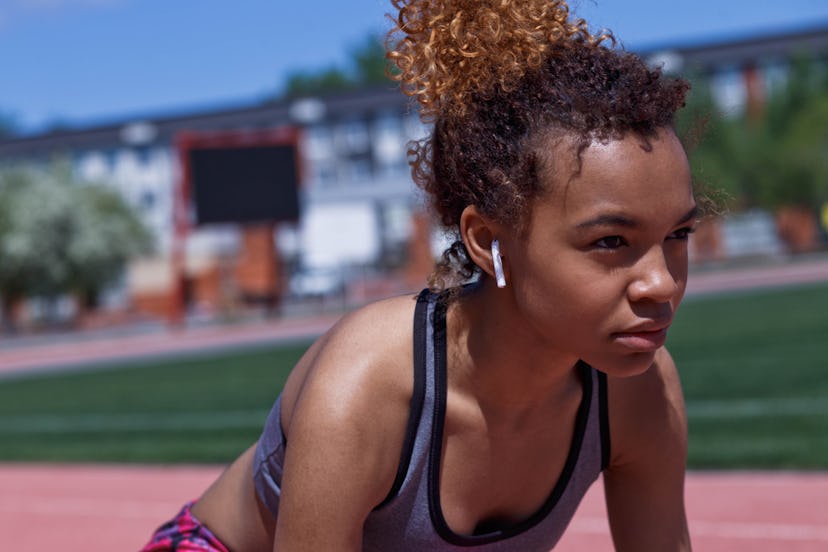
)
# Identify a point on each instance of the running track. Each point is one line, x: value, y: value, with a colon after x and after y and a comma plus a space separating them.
x: 101, y: 508
x: 108, y: 508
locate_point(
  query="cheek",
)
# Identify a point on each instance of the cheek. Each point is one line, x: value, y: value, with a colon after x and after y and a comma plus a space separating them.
x: 568, y: 293
x: 678, y: 267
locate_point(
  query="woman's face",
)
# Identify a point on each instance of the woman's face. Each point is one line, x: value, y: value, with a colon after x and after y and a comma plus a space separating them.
x: 602, y: 265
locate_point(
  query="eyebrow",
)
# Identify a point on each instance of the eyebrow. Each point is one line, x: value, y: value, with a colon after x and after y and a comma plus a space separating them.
x: 627, y: 222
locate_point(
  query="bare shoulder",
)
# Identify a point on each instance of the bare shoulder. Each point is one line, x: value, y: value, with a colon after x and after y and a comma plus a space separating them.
x: 345, y: 410
x: 369, y: 351
x: 647, y: 411
x: 644, y: 483
x: 349, y: 396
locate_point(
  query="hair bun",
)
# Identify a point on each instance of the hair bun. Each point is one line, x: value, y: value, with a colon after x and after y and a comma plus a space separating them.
x: 447, y: 49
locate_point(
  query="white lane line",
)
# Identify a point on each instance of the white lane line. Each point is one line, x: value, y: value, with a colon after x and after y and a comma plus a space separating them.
x: 234, y: 419
x: 757, y: 408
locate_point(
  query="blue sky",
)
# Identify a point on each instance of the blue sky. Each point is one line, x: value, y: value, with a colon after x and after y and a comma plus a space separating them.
x: 92, y: 61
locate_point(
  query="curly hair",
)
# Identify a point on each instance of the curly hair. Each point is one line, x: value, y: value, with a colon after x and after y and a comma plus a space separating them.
x: 496, y: 78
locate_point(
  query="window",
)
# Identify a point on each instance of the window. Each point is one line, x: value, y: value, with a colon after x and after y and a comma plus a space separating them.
x: 353, y: 137
x: 318, y: 143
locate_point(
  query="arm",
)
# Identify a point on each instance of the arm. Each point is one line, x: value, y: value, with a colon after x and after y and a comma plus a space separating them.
x: 644, y: 483
x: 345, y: 425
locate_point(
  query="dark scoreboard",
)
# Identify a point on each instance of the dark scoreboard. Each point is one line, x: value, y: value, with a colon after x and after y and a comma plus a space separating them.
x: 243, y: 183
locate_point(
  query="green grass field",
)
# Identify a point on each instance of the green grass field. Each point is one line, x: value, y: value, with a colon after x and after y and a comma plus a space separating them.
x: 753, y: 367
x: 755, y: 374
x: 190, y: 410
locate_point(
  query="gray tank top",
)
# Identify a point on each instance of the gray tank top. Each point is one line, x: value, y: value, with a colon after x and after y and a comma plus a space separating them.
x: 410, y: 518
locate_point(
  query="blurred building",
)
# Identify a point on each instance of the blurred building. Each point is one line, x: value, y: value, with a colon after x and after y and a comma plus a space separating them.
x: 356, y: 193
x: 743, y: 72
x: 359, y: 206
x: 742, y: 75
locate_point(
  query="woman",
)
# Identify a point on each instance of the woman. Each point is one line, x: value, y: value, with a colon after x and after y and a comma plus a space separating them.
x: 482, y: 424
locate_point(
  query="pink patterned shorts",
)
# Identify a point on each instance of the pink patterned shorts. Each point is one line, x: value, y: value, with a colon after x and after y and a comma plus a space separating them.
x: 184, y: 533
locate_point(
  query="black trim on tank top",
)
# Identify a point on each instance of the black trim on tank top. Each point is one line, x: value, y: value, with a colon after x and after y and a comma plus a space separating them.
x: 440, y: 396
x: 417, y: 397
x: 603, y: 420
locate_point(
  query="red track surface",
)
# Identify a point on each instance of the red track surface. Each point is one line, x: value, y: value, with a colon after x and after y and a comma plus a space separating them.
x: 106, y: 508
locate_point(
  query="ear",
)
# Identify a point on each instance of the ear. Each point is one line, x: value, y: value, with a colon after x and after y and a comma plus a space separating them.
x: 477, y: 232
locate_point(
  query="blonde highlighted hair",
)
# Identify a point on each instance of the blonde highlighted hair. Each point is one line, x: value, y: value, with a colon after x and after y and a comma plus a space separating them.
x: 445, y: 50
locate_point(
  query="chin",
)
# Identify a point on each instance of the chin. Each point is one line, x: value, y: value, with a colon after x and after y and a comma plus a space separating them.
x: 633, y: 364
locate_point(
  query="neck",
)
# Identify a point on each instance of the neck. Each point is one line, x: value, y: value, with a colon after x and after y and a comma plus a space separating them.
x: 496, y: 357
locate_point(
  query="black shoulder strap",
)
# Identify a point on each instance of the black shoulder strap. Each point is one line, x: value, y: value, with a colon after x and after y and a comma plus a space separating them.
x: 603, y: 419
x: 417, y: 397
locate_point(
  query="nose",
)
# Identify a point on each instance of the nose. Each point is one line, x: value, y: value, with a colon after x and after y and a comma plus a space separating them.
x: 653, y: 280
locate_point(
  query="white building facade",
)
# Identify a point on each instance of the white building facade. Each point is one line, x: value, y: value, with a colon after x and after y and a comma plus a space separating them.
x: 357, y: 197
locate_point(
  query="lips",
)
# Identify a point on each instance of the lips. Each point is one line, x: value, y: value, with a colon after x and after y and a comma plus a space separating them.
x: 643, y: 338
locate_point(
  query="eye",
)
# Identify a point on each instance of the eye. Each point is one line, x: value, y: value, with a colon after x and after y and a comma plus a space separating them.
x: 681, y: 233
x: 610, y: 242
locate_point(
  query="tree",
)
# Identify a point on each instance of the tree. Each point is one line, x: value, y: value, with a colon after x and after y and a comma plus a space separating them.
x: 771, y: 159
x: 36, y: 225
x: 15, y: 250
x: 706, y: 133
x: 775, y: 158
x: 303, y: 83
x: 59, y: 236
x: 107, y: 234
x: 789, y: 144
x: 370, y: 64
x: 8, y: 125
x: 367, y: 67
